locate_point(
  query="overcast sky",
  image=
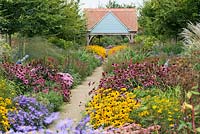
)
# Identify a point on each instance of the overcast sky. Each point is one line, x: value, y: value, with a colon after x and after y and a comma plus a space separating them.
x: 96, y: 3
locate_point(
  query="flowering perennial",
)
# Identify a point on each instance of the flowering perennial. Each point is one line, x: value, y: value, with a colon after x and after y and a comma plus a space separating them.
x: 30, y: 115
x: 40, y: 78
x: 111, y: 108
x: 116, y: 49
x: 97, y: 50
x: 5, y: 107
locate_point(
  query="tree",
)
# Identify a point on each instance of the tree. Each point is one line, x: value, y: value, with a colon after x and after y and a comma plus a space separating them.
x: 9, y: 14
x: 166, y: 18
x: 114, y: 4
x: 41, y: 17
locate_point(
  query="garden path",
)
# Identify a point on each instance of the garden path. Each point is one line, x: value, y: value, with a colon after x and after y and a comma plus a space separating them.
x: 79, y: 97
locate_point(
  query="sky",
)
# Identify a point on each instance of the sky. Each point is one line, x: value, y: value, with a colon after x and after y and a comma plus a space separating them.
x: 96, y: 3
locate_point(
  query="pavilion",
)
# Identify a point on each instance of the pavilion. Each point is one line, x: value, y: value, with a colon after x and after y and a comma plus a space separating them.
x: 111, y: 21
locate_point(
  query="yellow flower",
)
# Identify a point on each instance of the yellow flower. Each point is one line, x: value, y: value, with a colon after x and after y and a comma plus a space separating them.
x: 114, y: 108
x: 97, y: 50
x: 160, y: 111
x: 154, y: 107
x: 5, y: 107
x: 169, y: 119
x: 143, y: 113
x: 116, y: 49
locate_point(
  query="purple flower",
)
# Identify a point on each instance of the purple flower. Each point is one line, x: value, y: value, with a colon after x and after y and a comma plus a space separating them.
x: 65, y: 125
x: 51, y: 118
x: 30, y: 115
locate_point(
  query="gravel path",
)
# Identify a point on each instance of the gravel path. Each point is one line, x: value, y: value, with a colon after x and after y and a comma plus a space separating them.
x: 79, y: 97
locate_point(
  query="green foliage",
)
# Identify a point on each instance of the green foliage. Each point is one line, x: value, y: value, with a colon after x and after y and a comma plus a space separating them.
x: 76, y: 78
x: 191, y: 109
x: 108, y: 40
x: 8, y: 89
x: 42, y: 17
x: 125, y: 56
x: 166, y: 18
x: 61, y: 43
x: 80, y: 63
x: 168, y: 48
x: 40, y: 48
x: 53, y: 100
x: 114, y: 4
x: 5, y: 51
x: 158, y: 108
x: 145, y: 42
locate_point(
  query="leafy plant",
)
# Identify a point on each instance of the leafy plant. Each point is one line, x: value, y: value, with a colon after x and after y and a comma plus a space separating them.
x: 145, y: 43
x: 144, y: 74
x: 52, y: 100
x: 80, y: 63
x: 168, y: 48
x: 5, y: 51
x: 123, y: 57
x: 158, y: 108
x: 191, y: 109
x: 61, y: 43
x: 8, y: 89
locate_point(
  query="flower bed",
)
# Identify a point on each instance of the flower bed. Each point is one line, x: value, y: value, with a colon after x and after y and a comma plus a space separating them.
x: 37, y: 78
x: 115, y: 49
x: 100, y: 51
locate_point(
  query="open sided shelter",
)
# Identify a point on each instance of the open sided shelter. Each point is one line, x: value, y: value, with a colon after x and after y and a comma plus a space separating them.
x: 111, y: 21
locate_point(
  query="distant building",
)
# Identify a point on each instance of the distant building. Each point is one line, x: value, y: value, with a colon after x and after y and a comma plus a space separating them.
x: 111, y: 21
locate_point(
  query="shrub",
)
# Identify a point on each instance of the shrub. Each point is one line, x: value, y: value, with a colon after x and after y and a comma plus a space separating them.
x: 61, y: 43
x: 145, y: 43
x: 168, y: 48
x: 52, y: 100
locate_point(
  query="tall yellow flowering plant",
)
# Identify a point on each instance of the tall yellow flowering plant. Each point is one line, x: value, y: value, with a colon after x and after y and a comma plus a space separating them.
x: 157, y: 108
x: 100, y: 51
x: 5, y: 107
x: 116, y: 49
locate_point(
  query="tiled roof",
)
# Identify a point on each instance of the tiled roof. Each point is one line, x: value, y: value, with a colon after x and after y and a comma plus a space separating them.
x: 126, y: 15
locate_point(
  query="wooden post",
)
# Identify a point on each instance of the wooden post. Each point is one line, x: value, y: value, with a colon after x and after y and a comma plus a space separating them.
x: 88, y: 39
x: 131, y: 38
